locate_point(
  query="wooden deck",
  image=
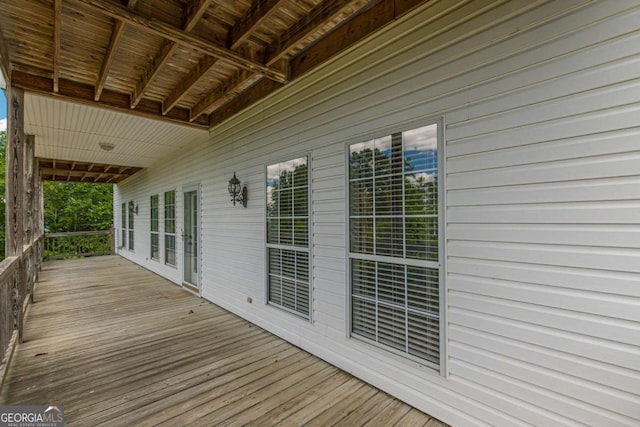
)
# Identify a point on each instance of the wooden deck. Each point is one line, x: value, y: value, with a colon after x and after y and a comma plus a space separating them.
x: 117, y: 345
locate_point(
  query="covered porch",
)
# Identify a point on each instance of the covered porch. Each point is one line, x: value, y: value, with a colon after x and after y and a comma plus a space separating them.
x: 118, y: 345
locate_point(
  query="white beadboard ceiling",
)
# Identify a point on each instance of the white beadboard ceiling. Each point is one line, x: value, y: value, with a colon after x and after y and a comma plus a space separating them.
x: 68, y: 131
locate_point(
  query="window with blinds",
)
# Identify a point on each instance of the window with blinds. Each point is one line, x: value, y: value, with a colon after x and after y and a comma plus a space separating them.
x: 154, y: 224
x: 394, y: 244
x: 288, y: 235
x: 170, y: 228
x: 123, y: 226
x: 131, y: 229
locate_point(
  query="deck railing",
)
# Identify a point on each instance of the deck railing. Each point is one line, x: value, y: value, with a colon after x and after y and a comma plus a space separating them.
x: 78, y: 244
x: 18, y: 276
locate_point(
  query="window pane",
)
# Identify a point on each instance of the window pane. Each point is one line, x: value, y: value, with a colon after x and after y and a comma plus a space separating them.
x: 393, y: 184
x: 288, y: 226
x: 363, y: 278
x: 362, y: 235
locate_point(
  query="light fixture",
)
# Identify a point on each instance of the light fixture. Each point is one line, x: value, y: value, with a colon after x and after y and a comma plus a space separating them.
x: 106, y: 146
x: 237, y: 192
x: 133, y: 207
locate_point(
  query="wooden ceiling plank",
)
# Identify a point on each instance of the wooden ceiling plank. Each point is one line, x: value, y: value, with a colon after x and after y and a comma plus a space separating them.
x: 258, y: 12
x: 193, y: 13
x: 57, y: 32
x: 5, y: 60
x: 219, y: 97
x: 176, y: 35
x: 316, y: 18
x: 114, y: 43
x: 185, y: 86
x: 364, y: 24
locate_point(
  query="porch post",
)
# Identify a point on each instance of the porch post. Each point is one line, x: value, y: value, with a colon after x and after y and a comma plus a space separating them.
x: 14, y: 230
x: 29, y: 261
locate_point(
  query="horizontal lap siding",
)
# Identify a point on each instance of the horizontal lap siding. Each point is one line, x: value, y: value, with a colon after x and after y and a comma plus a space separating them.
x: 543, y: 228
x: 540, y: 104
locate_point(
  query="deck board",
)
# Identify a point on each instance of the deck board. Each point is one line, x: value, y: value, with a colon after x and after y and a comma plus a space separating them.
x: 118, y: 345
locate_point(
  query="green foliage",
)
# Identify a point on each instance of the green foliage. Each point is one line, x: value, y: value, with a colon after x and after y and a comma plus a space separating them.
x: 77, y: 206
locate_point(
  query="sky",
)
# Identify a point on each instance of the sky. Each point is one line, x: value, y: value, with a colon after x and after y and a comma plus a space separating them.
x: 3, y: 111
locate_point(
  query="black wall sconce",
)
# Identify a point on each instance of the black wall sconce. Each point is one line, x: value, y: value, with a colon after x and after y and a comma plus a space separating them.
x: 133, y: 208
x: 237, y: 192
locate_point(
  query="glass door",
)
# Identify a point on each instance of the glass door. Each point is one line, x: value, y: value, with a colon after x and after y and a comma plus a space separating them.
x: 191, y: 240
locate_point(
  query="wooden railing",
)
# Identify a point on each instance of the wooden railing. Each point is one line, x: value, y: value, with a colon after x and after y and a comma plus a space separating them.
x: 79, y: 244
x: 18, y: 276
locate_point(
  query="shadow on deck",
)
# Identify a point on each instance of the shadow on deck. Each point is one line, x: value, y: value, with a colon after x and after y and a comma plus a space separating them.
x: 118, y: 345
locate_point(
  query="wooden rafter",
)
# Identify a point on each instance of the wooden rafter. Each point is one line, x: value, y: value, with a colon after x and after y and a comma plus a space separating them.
x: 65, y: 170
x: 84, y: 94
x: 257, y: 13
x: 57, y: 31
x: 162, y: 29
x: 364, y: 24
x: 236, y: 83
x: 114, y: 42
x: 166, y: 51
x: 316, y: 18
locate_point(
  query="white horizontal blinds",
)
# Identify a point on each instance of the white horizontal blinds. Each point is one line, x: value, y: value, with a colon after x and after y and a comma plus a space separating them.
x: 154, y: 222
x: 288, y: 235
x: 123, y: 225
x: 170, y: 227
x: 394, y: 246
x: 131, y: 229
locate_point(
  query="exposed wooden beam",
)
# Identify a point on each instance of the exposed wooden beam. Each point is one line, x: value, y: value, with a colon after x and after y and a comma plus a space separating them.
x: 57, y: 31
x: 192, y: 14
x: 114, y: 43
x: 14, y: 187
x: 361, y: 26
x: 257, y: 13
x: 5, y: 61
x: 176, y: 35
x: 185, y: 86
x: 233, y: 87
x: 84, y: 94
x: 316, y: 18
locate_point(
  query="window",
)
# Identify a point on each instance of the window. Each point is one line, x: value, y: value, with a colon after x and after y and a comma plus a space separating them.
x: 170, y: 228
x: 130, y: 229
x: 155, y: 238
x: 288, y: 236
x: 123, y: 226
x: 394, y: 244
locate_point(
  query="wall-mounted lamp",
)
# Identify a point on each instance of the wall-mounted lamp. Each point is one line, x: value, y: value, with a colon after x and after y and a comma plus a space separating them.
x: 133, y: 208
x: 237, y: 192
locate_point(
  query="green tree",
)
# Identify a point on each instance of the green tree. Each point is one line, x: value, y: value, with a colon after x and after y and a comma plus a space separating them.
x: 77, y: 206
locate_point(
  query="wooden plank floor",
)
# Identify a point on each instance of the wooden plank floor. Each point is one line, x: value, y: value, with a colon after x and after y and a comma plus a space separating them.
x: 118, y: 345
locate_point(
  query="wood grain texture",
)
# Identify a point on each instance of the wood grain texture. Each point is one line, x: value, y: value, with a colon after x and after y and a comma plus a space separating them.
x: 118, y: 345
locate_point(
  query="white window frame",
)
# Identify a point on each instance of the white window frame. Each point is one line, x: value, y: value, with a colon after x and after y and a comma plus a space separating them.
x: 440, y: 264
x: 308, y: 316
x: 175, y: 224
x: 154, y: 233
x: 131, y: 242
x: 123, y: 226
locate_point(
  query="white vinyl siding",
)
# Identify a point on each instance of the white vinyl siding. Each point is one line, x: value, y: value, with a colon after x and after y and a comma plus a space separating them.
x: 394, y: 244
x: 154, y: 225
x: 540, y: 111
x: 170, y: 228
x: 288, y: 235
